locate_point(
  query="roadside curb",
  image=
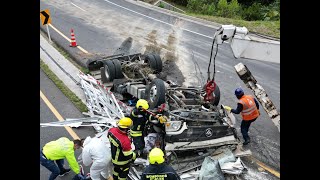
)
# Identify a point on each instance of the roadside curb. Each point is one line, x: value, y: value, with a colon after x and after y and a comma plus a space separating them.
x: 58, y: 64
x: 72, y: 56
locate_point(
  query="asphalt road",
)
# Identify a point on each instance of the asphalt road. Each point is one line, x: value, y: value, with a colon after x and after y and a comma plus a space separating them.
x: 66, y: 109
x: 102, y: 27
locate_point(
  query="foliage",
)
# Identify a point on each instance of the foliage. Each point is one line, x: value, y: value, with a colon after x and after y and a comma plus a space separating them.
x: 272, y: 12
x: 181, y: 2
x: 234, y: 8
x: 161, y: 5
x: 222, y: 8
x: 253, y: 13
x: 201, y: 6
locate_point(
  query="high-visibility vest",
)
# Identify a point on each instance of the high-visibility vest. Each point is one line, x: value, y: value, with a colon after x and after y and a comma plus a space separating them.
x: 249, y: 110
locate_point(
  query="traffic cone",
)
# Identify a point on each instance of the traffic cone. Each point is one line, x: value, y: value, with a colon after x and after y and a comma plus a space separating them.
x: 73, y: 40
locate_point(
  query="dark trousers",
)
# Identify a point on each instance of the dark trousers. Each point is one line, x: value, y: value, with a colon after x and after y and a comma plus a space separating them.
x: 245, y: 124
x: 53, y: 166
x: 120, y: 172
x: 138, y: 143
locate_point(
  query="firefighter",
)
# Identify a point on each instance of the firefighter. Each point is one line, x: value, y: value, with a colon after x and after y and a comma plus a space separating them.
x: 140, y: 117
x: 158, y: 169
x: 249, y: 108
x: 121, y: 152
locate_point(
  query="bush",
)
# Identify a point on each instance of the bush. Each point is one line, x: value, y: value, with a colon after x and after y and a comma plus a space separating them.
x: 222, y: 8
x: 253, y: 13
x: 208, y: 9
x: 181, y: 2
x: 201, y: 6
x: 272, y: 12
x: 161, y: 5
x: 230, y: 10
x: 234, y: 8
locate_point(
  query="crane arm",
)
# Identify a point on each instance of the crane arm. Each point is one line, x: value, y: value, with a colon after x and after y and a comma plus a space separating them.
x: 250, y: 47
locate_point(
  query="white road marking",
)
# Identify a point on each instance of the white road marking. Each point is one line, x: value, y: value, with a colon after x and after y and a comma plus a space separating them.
x: 59, y: 32
x: 79, y: 7
x: 157, y: 20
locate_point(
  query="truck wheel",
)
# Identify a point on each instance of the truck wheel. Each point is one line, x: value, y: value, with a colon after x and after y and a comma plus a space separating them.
x: 150, y: 60
x: 109, y: 71
x: 217, y: 94
x: 118, y: 69
x: 156, y: 93
x: 158, y: 61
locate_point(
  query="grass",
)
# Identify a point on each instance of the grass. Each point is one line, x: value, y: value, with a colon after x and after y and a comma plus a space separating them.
x: 64, y: 89
x: 269, y: 28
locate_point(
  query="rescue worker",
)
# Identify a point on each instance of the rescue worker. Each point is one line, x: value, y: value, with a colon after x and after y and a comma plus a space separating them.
x: 53, y: 153
x: 97, y: 154
x: 249, y: 108
x: 121, y: 152
x: 140, y: 118
x: 158, y: 169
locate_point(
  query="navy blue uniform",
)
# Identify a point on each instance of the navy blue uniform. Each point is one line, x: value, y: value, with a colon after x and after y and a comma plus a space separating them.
x: 159, y: 172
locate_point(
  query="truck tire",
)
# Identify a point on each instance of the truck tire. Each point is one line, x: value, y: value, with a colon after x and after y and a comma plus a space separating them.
x: 150, y: 60
x: 156, y: 93
x: 118, y: 69
x: 158, y: 61
x: 217, y: 94
x: 109, y: 71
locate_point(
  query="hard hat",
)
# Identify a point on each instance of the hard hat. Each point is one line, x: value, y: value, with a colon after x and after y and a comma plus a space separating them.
x: 156, y: 155
x: 238, y: 92
x: 143, y: 103
x: 125, y: 122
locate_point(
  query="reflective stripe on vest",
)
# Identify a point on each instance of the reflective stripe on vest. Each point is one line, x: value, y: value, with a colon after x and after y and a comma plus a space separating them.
x: 116, y: 161
x: 137, y: 116
x: 249, y: 110
x: 135, y: 133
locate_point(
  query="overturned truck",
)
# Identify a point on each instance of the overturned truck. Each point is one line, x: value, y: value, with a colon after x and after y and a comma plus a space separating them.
x: 196, y: 124
x: 193, y: 121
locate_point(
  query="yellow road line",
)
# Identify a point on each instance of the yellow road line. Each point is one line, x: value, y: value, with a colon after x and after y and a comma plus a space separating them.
x: 58, y: 116
x: 59, y: 32
x: 274, y: 172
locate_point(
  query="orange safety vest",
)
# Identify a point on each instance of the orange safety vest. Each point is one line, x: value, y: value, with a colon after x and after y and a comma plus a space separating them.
x: 249, y: 110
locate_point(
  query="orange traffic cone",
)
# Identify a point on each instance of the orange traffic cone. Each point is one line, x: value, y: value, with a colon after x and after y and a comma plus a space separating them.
x: 73, y: 40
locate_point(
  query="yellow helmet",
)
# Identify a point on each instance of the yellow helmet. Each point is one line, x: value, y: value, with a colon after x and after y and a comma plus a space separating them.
x: 125, y: 122
x: 156, y: 155
x: 143, y: 103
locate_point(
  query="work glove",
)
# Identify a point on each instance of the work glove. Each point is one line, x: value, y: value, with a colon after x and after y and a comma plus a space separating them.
x: 228, y: 108
x: 162, y: 119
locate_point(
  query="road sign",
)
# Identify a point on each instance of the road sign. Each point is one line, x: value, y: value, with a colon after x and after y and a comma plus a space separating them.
x: 45, y: 17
